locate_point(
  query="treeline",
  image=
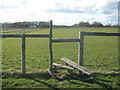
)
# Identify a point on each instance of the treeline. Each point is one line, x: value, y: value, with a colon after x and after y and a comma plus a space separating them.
x: 25, y: 24
x: 94, y: 24
x: 43, y: 24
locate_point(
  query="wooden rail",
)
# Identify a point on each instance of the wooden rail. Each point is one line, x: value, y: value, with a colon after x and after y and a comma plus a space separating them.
x: 23, y: 44
x: 26, y: 35
x: 11, y: 36
x: 81, y: 49
x: 100, y: 34
x: 66, y: 40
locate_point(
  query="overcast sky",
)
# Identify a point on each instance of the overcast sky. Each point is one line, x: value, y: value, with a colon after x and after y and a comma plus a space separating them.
x: 62, y: 12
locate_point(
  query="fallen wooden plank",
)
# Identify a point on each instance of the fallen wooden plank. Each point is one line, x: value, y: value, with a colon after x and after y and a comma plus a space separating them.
x: 75, y: 65
x: 62, y: 66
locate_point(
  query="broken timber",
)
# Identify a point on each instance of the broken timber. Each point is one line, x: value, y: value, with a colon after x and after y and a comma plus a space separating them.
x: 51, y: 73
x: 62, y: 66
x: 75, y: 65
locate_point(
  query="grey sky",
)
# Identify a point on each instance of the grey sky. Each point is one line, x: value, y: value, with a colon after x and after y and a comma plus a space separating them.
x: 66, y: 12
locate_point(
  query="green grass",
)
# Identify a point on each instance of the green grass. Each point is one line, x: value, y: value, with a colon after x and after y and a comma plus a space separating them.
x: 100, y: 56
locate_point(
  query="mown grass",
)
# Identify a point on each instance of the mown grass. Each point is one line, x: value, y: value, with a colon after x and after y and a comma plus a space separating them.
x: 100, y: 56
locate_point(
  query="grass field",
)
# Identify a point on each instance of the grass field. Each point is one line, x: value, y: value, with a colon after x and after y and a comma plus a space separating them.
x: 100, y: 56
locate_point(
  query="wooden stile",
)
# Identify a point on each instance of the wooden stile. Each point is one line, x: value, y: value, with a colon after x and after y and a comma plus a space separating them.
x: 80, y: 41
x: 75, y: 65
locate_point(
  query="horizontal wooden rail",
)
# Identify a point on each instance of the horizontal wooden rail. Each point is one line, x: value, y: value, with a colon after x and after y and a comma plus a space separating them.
x: 100, y: 34
x: 38, y: 35
x: 11, y: 36
x: 66, y: 40
x: 27, y: 35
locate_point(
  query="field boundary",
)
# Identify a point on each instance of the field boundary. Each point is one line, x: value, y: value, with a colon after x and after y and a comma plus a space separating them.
x: 80, y: 41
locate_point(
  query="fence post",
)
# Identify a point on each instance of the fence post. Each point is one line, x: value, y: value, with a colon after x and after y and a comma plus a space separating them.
x: 50, y: 43
x: 23, y: 53
x: 81, y: 48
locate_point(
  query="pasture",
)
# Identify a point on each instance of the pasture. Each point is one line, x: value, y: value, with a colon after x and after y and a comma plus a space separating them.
x: 100, y: 56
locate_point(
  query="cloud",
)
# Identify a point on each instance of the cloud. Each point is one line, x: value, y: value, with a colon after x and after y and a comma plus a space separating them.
x: 107, y: 12
x: 112, y: 19
x: 8, y: 6
x: 110, y: 7
x: 103, y: 11
x: 111, y: 10
x: 74, y: 7
x: 80, y: 7
x: 24, y: 2
x: 13, y: 4
x: 65, y: 10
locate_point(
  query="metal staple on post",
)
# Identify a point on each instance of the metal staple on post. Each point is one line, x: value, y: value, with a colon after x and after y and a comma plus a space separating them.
x: 23, y: 54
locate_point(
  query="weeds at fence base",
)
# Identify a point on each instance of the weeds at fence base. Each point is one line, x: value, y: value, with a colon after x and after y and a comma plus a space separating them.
x: 43, y: 79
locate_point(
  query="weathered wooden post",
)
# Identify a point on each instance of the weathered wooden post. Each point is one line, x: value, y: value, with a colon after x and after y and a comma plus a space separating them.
x: 81, y: 48
x: 0, y: 57
x: 23, y: 53
x: 50, y: 43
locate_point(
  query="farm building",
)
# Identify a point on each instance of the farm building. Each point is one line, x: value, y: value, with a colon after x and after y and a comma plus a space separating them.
x: 33, y: 26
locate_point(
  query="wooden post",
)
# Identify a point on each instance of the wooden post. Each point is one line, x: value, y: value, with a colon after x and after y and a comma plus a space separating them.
x: 50, y: 43
x: 81, y: 48
x: 23, y: 53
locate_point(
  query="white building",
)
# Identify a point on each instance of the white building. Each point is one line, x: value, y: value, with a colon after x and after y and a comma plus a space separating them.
x: 32, y: 26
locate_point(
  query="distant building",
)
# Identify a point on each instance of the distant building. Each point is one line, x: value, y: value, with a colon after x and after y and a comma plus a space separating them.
x: 33, y: 26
